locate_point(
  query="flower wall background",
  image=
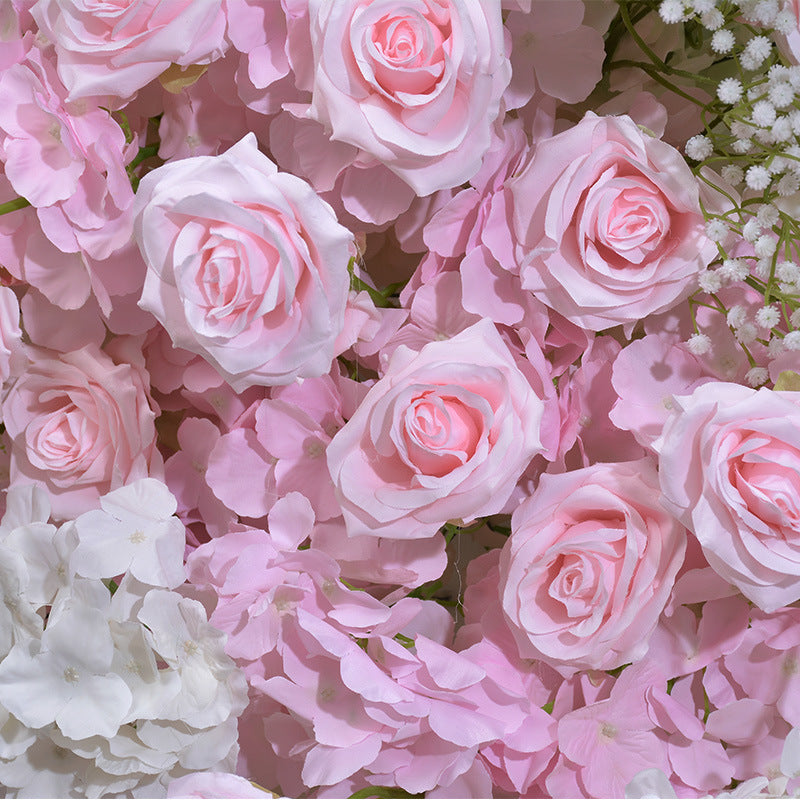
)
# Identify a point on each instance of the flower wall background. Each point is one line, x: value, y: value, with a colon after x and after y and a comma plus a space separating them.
x: 400, y: 399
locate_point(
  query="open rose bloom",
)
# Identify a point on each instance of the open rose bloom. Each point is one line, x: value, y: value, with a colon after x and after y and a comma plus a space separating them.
x: 399, y: 398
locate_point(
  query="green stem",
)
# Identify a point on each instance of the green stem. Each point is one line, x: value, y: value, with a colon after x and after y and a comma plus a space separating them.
x: 13, y: 205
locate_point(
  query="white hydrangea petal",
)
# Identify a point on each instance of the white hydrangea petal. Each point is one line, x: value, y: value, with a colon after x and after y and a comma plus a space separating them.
x: 47, y: 572
x: 80, y: 639
x: 97, y: 707
x: 25, y: 503
x: 158, y: 559
x: 649, y: 783
x: 104, y: 546
x: 15, y: 737
x: 790, y: 757
x: 144, y: 500
x: 30, y: 687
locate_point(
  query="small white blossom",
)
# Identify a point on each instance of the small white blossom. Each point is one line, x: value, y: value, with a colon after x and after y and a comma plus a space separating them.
x: 713, y: 20
x: 723, y: 42
x: 736, y: 316
x: 741, y: 130
x: 784, y: 22
x: 792, y: 339
x: 767, y: 317
x: 756, y: 51
x: 781, y: 130
x: 698, y: 344
x: 732, y: 173
x: 765, y: 12
x: 763, y: 113
x: 746, y: 334
x: 763, y: 268
x: 703, y: 6
x: 781, y: 94
x: 742, y: 146
x: 765, y: 245
x: 710, y: 281
x: 757, y: 178
x: 775, y: 347
x: 699, y: 147
x: 671, y: 11
x: 757, y: 376
x: 764, y: 136
x: 751, y: 230
x: 768, y: 215
x: 788, y: 272
x: 730, y: 90
x: 734, y: 269
x: 794, y: 319
x: 716, y: 230
x: 787, y: 185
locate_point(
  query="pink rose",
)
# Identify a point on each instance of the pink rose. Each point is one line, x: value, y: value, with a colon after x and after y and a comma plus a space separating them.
x: 117, y: 48
x: 589, y: 566
x: 445, y: 434
x: 81, y: 425
x: 246, y: 266
x: 609, y: 224
x: 730, y: 470
x: 415, y: 85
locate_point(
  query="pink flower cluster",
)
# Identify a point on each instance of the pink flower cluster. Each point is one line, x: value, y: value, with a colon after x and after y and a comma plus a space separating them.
x: 399, y: 331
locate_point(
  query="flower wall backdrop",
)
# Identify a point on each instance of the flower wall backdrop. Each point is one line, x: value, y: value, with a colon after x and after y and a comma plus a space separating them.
x: 400, y: 399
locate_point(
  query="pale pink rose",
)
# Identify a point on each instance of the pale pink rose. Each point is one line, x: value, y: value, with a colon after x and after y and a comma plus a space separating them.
x: 81, y: 425
x: 246, y: 266
x: 589, y: 566
x: 730, y: 470
x: 445, y: 434
x: 608, y: 224
x: 416, y: 86
x: 115, y: 49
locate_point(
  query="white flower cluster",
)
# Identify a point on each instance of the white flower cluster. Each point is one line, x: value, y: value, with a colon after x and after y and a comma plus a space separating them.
x: 101, y: 693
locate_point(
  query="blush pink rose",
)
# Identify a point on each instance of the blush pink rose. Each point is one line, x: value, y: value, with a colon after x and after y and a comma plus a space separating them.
x: 445, y: 434
x: 115, y: 48
x: 246, y: 266
x: 730, y: 470
x: 80, y: 425
x: 415, y: 85
x: 608, y: 224
x: 589, y: 566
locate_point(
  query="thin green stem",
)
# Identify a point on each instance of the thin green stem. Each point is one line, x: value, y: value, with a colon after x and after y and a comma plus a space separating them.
x: 13, y: 205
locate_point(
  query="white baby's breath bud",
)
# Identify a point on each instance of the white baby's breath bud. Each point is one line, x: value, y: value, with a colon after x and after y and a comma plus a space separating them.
x: 671, y: 11
x: 768, y: 215
x: 742, y: 146
x: 765, y: 12
x: 763, y: 114
x: 703, y: 6
x: 741, y: 130
x: 751, y: 230
x: 784, y: 21
x: 765, y: 246
x: 781, y: 94
x: 716, y: 230
x: 698, y: 344
x: 733, y: 174
x: 746, y: 334
x: 767, y: 317
x: 778, y: 72
x: 764, y: 136
x: 756, y: 51
x: 733, y: 269
x: 713, y: 20
x: 763, y: 268
x: 794, y: 318
x: 787, y: 185
x: 781, y: 130
x: 775, y: 347
x: 787, y: 271
x: 699, y: 147
x: 757, y: 178
x: 709, y: 281
x: 730, y: 90
x: 792, y: 340
x: 757, y: 376
x: 723, y: 41
x: 754, y: 92
x: 736, y: 316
